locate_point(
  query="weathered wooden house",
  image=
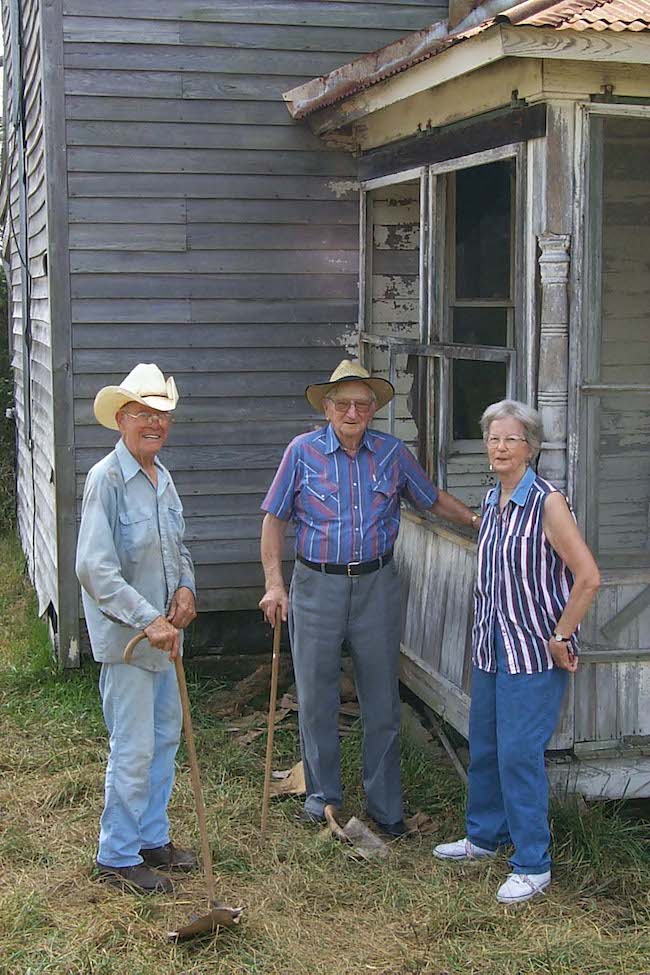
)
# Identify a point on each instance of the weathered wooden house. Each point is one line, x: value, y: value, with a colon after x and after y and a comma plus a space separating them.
x: 504, y: 160
x: 160, y: 204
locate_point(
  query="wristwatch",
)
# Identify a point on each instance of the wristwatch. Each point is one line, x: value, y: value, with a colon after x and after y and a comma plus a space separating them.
x: 559, y: 638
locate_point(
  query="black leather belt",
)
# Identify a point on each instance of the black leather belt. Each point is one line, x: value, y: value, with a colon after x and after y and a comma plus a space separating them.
x: 348, y: 568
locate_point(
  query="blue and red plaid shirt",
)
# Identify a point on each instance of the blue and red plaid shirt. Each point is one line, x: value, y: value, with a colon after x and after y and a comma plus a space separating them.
x: 346, y: 509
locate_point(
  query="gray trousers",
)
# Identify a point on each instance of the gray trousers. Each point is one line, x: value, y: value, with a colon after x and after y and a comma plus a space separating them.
x: 324, y: 610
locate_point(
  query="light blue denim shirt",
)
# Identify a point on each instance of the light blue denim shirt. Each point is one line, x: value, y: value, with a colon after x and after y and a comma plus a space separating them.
x: 130, y: 556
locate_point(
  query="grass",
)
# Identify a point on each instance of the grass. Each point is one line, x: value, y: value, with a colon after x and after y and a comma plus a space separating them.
x: 308, y: 907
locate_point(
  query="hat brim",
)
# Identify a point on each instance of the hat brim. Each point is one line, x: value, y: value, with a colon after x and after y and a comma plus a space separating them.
x: 110, y: 399
x: 383, y: 390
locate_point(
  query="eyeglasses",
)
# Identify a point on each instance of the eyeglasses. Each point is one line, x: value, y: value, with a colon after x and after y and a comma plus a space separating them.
x: 150, y: 418
x: 343, y: 405
x: 509, y: 442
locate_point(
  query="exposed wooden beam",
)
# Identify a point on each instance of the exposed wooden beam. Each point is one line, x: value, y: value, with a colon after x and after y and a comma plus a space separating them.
x: 572, y: 45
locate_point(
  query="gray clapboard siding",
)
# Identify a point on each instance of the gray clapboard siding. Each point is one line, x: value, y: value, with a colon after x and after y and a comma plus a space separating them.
x: 213, y: 262
x: 203, y: 228
x: 130, y: 311
x: 354, y: 14
x: 33, y: 380
x: 204, y: 213
x: 269, y: 287
x: 210, y: 187
x: 196, y: 135
x: 111, y: 109
x: 212, y: 433
x: 213, y: 337
x: 80, y: 29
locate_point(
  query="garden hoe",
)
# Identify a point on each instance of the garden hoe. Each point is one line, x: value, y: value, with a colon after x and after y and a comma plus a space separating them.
x: 219, y: 915
x: 275, y: 667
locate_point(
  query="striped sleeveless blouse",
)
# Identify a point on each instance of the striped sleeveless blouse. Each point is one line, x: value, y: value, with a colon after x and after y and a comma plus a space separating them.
x: 522, y: 583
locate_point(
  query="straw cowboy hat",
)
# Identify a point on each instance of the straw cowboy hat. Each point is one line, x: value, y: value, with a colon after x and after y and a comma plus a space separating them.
x: 145, y: 384
x: 348, y: 371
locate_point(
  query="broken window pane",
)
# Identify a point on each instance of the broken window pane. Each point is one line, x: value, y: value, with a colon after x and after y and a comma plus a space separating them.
x: 475, y: 385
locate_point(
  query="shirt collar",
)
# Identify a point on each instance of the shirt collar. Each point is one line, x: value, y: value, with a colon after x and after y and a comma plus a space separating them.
x: 128, y: 463
x: 333, y: 443
x: 519, y: 495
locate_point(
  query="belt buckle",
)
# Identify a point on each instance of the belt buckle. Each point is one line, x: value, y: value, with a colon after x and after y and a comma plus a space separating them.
x: 351, y: 575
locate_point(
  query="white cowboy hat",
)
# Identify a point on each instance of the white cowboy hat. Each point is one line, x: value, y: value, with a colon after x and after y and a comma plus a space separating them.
x: 348, y: 371
x: 145, y: 384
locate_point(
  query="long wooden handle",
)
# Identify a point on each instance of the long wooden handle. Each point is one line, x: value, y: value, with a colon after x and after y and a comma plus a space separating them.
x: 275, y: 667
x: 196, y: 778
x: 194, y: 764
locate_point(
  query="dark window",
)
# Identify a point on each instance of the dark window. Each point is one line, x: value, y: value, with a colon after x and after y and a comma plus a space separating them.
x: 480, y: 239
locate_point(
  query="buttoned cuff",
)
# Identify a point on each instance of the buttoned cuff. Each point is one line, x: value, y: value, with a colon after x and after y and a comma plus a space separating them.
x: 144, y: 617
x: 188, y: 583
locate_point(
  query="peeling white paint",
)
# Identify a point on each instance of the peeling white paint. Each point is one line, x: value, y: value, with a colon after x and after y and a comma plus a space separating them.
x: 343, y: 188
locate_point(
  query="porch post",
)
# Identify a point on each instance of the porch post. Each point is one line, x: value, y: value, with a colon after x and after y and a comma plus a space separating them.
x: 552, y: 394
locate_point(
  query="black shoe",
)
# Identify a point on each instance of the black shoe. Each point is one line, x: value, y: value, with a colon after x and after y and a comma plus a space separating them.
x: 169, y: 857
x: 394, y: 830
x: 306, y: 818
x: 138, y: 879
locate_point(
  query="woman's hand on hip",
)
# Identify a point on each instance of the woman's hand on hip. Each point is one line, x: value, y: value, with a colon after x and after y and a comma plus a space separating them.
x: 563, y: 656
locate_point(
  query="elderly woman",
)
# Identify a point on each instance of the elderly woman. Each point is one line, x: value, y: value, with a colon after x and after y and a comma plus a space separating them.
x: 535, y: 582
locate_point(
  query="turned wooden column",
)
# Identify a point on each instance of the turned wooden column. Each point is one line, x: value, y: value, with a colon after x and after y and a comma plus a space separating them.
x: 552, y: 397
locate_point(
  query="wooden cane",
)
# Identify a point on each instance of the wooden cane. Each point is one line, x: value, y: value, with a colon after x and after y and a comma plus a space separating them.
x: 275, y: 667
x: 194, y: 763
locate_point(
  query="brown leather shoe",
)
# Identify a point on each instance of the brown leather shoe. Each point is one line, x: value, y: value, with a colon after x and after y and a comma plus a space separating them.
x: 138, y: 879
x: 169, y: 857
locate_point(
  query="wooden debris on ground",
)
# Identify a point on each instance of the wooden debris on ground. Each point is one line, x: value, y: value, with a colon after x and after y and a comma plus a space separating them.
x: 231, y: 702
x: 289, y: 783
x: 421, y: 823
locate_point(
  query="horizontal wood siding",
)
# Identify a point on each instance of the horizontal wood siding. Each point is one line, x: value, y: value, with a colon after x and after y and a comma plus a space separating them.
x: 438, y: 569
x: 30, y: 322
x: 212, y: 234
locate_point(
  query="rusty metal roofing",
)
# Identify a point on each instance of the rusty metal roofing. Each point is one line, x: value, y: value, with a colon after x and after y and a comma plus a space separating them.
x: 616, y: 15
x: 419, y: 46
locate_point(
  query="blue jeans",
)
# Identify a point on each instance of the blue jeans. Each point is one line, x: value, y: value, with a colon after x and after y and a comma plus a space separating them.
x: 512, y: 719
x: 142, y: 712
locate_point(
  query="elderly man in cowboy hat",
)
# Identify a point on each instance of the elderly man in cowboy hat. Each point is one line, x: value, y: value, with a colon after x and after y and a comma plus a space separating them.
x: 342, y: 487
x: 136, y: 574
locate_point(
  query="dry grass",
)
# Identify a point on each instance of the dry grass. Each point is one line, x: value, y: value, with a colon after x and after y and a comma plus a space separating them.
x: 309, y: 909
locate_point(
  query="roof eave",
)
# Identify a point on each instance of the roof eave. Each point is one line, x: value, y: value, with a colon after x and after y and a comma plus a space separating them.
x: 461, y: 56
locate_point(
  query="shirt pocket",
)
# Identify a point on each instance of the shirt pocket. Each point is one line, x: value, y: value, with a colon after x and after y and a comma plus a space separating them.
x: 385, y: 492
x: 136, y: 529
x: 321, y: 497
x: 517, y: 548
x: 176, y: 522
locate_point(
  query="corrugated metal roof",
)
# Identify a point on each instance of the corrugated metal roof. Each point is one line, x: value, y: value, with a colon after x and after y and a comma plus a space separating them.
x: 369, y: 70
x: 617, y: 15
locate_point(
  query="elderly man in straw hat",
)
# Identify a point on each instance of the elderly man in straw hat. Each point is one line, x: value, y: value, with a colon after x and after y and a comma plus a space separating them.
x: 136, y: 574
x: 342, y: 487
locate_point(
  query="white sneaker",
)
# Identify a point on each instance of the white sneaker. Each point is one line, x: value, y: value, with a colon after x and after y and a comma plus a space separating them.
x: 520, y: 887
x: 461, y: 850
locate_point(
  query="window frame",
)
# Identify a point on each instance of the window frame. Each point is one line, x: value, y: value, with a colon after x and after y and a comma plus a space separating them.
x: 589, y: 389
x: 434, y: 351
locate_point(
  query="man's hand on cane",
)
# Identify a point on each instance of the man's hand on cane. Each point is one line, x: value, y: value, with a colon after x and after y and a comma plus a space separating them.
x: 163, y: 636
x: 182, y: 609
x: 274, y: 597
